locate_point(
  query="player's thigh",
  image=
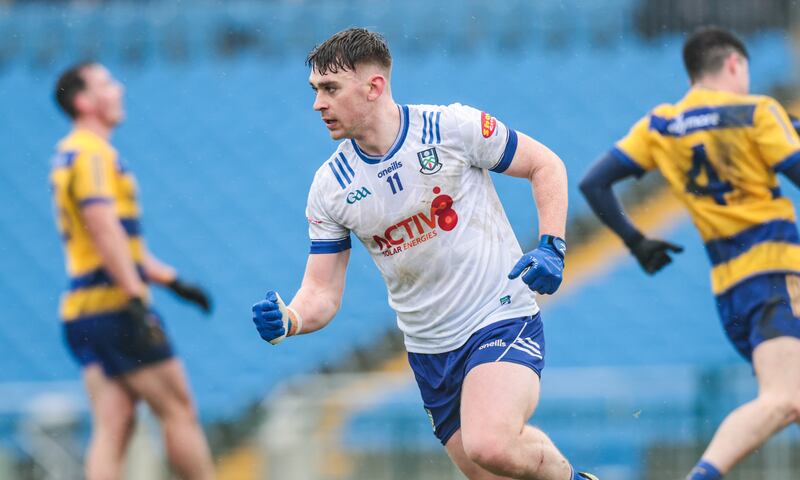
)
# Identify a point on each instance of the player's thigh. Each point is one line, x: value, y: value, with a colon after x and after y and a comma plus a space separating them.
x: 455, y: 450
x: 113, y: 405
x: 777, y: 366
x: 164, y: 386
x: 498, y: 398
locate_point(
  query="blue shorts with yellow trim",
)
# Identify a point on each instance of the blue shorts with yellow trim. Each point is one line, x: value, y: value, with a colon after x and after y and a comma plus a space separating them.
x: 441, y: 375
x: 759, y: 309
x: 116, y: 342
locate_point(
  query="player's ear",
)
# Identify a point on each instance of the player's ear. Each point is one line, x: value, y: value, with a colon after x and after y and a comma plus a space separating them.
x: 377, y: 85
x: 82, y: 102
x: 733, y: 63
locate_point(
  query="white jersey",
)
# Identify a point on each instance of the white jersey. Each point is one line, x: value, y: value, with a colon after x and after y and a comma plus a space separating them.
x: 429, y: 215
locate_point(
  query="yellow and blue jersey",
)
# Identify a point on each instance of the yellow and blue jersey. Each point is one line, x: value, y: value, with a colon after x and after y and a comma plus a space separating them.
x: 720, y: 153
x: 87, y: 169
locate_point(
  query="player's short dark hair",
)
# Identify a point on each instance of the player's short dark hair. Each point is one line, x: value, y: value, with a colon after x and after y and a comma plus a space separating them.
x: 69, y: 84
x: 706, y: 49
x: 349, y: 48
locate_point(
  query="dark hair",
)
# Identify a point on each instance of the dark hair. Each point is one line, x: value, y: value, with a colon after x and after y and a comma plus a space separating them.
x: 69, y: 84
x: 348, y: 48
x: 706, y: 49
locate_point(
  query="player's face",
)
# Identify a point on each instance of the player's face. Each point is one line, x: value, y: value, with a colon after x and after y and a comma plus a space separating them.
x: 342, y: 100
x: 103, y: 95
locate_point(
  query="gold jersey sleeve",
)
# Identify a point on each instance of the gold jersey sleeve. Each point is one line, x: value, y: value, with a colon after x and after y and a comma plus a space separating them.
x: 774, y: 135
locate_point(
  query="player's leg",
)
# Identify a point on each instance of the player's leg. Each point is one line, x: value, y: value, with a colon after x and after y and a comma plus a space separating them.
x: 762, y: 319
x: 470, y: 469
x: 496, y: 402
x: 777, y: 366
x: 113, y: 417
x: 165, y: 388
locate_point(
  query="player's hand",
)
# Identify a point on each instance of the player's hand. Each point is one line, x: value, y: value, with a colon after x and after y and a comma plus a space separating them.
x: 653, y: 255
x: 192, y: 293
x: 542, y: 269
x: 273, y: 319
x: 136, y: 310
x: 144, y: 331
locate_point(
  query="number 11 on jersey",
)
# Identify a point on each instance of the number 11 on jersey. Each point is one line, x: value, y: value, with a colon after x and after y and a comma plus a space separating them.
x: 394, y: 182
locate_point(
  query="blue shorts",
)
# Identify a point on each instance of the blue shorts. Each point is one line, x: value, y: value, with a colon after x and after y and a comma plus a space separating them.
x: 440, y: 375
x: 117, y: 343
x: 759, y: 309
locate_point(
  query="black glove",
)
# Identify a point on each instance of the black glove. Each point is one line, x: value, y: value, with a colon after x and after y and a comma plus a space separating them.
x: 652, y: 254
x: 192, y: 293
x: 144, y: 332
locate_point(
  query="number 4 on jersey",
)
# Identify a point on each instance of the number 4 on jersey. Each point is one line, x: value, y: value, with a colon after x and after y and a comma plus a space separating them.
x: 715, y: 187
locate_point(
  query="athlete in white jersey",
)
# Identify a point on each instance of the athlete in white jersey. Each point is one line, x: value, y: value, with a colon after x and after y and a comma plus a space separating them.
x: 427, y: 211
x: 412, y: 184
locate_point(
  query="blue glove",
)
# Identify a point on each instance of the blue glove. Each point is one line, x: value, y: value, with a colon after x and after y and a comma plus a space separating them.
x: 542, y: 269
x: 272, y: 318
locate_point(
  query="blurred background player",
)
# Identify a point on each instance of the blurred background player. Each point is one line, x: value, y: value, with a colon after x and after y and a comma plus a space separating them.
x: 720, y: 150
x: 412, y: 183
x: 109, y: 325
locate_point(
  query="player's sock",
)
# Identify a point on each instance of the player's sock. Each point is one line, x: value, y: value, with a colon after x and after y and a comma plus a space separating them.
x: 704, y: 471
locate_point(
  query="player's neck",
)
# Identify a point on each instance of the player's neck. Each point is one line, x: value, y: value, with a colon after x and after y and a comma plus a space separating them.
x: 381, y: 131
x: 715, y: 84
x: 95, y: 126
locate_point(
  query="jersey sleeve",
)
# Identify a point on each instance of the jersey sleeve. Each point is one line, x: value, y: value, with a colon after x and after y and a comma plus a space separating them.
x: 326, y: 235
x: 488, y: 142
x: 775, y: 137
x: 634, y: 148
x: 93, y: 178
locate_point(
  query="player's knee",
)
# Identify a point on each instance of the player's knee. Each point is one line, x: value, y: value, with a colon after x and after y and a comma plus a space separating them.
x: 174, y: 404
x: 181, y: 409
x: 115, y: 426
x: 489, y: 452
x: 785, y: 407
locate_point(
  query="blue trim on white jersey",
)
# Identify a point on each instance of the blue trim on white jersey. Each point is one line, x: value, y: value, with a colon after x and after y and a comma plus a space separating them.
x: 335, y: 174
x: 349, y: 168
x: 424, y: 127
x: 330, y: 246
x: 341, y: 169
x: 398, y: 143
x: 430, y: 125
x: 508, y: 153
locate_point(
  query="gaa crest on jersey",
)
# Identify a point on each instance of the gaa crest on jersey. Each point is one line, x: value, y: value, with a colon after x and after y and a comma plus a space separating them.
x: 429, y: 161
x: 357, y: 194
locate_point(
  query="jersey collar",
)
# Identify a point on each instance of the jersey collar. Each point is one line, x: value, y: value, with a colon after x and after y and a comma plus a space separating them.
x: 398, y: 142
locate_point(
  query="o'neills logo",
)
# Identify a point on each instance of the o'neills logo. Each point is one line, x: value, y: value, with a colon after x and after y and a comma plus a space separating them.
x: 420, y: 227
x: 488, y: 124
x: 391, y: 168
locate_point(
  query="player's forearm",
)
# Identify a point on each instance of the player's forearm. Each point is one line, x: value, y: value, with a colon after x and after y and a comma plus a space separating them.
x: 112, y: 245
x: 157, y: 271
x: 549, y: 181
x: 317, y: 306
x: 596, y: 187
